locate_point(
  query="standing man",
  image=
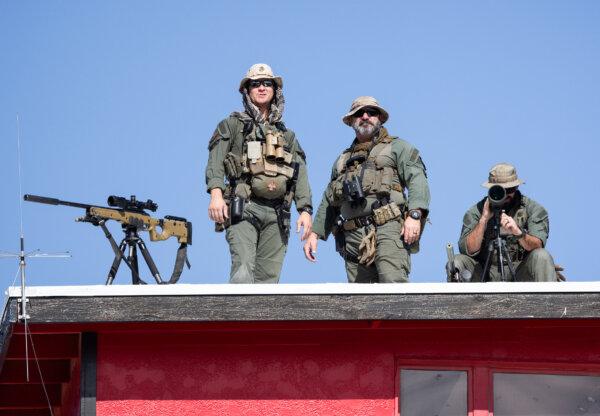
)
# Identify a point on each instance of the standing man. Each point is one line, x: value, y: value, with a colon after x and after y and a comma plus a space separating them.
x: 523, y: 228
x: 256, y: 169
x: 375, y: 223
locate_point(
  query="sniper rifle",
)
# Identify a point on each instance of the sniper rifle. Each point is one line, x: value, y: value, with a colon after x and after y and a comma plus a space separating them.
x: 133, y: 217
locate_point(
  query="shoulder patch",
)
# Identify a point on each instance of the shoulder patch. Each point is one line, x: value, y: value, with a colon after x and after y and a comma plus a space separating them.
x: 221, y: 133
x: 223, y: 130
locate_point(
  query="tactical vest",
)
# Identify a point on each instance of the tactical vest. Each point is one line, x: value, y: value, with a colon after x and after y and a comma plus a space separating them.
x: 260, y: 162
x: 374, y: 168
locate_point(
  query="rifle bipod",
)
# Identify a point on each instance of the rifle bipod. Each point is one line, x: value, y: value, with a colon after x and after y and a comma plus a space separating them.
x: 130, y: 242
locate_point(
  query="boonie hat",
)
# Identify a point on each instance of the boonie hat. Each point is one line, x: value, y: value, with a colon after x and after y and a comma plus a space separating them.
x: 362, y: 102
x: 503, y: 174
x: 260, y: 71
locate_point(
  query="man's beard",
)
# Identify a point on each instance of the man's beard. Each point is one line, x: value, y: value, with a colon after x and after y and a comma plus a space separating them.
x: 365, y: 128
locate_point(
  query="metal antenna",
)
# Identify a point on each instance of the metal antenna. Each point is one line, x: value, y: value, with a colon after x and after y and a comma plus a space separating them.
x: 22, y: 255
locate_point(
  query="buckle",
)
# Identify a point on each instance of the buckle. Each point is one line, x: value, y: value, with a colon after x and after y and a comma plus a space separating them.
x: 364, y: 221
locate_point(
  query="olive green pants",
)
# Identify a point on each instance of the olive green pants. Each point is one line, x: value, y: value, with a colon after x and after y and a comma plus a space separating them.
x: 392, y: 260
x: 256, y: 246
x: 538, y: 266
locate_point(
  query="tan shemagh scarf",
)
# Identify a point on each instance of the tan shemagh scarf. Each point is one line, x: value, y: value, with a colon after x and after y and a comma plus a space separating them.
x: 275, y: 113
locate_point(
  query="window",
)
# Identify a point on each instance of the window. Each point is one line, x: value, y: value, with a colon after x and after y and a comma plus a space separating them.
x: 433, y: 392
x: 546, y: 394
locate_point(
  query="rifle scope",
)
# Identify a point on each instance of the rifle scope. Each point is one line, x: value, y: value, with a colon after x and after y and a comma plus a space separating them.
x: 496, y: 196
x: 131, y: 203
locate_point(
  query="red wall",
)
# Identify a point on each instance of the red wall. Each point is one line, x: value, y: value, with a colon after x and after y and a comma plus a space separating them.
x: 312, y: 368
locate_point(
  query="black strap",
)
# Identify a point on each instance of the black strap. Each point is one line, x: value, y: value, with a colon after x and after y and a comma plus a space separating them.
x: 180, y: 260
x: 350, y: 258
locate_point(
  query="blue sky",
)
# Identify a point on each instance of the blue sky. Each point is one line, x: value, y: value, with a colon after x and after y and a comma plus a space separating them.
x: 122, y: 98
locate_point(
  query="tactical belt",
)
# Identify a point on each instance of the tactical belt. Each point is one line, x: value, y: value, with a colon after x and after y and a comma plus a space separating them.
x: 267, y: 202
x: 358, y: 222
x: 380, y: 216
x: 350, y: 258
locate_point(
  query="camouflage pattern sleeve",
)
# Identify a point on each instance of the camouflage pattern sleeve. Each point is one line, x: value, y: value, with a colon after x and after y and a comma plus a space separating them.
x: 413, y: 174
x: 470, y: 220
x: 327, y: 213
x: 303, y: 195
x: 538, y: 224
x: 218, y: 148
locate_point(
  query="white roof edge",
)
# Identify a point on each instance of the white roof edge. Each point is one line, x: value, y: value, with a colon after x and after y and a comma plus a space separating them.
x: 305, y: 289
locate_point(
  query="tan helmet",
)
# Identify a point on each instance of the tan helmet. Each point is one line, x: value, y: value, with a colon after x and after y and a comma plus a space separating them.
x: 503, y: 174
x: 260, y: 71
x: 362, y: 102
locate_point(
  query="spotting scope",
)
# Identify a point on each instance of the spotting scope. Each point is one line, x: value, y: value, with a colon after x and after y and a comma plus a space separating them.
x: 496, y: 196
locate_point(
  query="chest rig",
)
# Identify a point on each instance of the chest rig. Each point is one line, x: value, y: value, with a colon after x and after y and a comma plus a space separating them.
x: 366, y: 187
x: 260, y: 163
x: 367, y: 171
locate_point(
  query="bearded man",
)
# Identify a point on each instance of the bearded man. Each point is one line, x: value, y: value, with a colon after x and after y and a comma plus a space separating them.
x: 256, y: 169
x: 376, y: 202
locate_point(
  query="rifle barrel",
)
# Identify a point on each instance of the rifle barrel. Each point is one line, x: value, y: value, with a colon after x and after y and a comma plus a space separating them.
x: 53, y: 201
x: 450, y: 253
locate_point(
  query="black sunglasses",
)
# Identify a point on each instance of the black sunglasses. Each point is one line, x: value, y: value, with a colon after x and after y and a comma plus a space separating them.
x: 511, y: 190
x: 264, y: 82
x: 372, y: 112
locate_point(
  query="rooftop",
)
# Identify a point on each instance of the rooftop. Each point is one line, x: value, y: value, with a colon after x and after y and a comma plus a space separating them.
x: 328, y: 301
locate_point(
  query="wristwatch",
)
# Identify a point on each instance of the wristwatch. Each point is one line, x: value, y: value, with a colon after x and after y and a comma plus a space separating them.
x: 415, y: 214
x: 306, y: 209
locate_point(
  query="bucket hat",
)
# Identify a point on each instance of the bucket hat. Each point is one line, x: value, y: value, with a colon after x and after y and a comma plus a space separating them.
x: 503, y: 174
x: 260, y: 71
x: 363, y: 102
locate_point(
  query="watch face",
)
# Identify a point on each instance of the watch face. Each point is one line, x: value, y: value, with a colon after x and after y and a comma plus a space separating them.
x: 415, y: 214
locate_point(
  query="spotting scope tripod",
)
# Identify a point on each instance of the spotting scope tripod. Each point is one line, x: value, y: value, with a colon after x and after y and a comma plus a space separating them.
x: 497, y: 197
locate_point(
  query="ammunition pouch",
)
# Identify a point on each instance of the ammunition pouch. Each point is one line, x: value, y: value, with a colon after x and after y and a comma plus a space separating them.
x: 387, y: 213
x: 234, y: 167
x: 356, y: 182
x: 270, y: 166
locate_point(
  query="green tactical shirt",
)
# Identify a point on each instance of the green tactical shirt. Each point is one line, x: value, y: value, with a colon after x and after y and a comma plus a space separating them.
x: 411, y: 173
x: 228, y: 135
x: 530, y: 216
